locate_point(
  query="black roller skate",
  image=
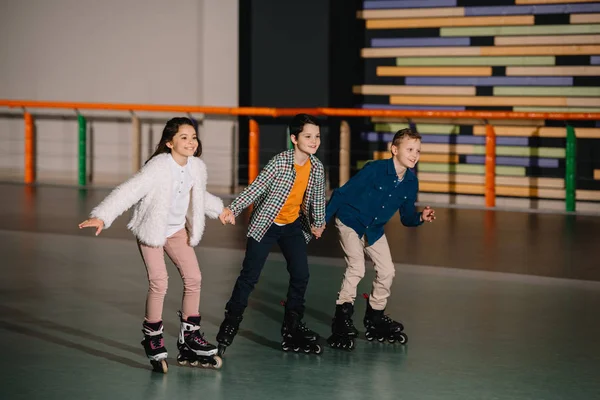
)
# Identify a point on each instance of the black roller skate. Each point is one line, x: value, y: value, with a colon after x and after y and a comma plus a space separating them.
x: 296, y: 336
x: 193, y: 348
x: 381, y: 327
x: 154, y: 346
x: 343, y: 331
x: 229, y: 328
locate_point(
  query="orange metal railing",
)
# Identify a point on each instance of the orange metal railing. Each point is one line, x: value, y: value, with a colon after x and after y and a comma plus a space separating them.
x: 490, y: 159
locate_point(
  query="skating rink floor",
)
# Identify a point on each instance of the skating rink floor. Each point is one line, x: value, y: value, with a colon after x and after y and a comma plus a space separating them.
x: 496, y: 304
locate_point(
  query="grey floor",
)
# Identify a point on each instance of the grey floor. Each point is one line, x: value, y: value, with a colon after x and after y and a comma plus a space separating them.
x: 511, y: 324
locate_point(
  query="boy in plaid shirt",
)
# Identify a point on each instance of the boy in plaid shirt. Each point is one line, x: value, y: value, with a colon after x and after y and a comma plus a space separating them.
x: 287, y: 194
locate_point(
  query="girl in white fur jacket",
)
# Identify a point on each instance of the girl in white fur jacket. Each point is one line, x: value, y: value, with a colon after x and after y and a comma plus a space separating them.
x: 171, y: 201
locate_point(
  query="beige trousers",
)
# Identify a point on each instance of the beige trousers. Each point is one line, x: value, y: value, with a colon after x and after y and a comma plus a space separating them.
x: 184, y: 258
x: 355, y: 249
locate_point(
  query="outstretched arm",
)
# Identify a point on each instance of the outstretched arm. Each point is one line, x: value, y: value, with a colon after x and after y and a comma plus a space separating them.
x: 122, y: 198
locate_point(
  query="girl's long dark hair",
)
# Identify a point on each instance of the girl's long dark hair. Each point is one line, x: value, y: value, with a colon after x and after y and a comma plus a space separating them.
x: 170, y: 130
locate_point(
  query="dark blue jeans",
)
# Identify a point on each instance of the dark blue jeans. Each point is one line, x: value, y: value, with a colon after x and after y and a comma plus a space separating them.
x: 293, y: 246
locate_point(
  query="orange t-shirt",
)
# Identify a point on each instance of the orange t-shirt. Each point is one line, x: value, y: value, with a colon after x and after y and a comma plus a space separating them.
x: 291, y: 209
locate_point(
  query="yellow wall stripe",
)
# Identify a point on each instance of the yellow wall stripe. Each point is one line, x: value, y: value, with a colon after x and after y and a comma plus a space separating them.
x: 545, y: 131
x: 551, y: 183
x: 597, y: 174
x: 417, y: 90
x: 539, y: 50
x: 585, y: 18
x: 484, y: 101
x: 552, y: 71
x: 545, y: 40
x: 376, y: 52
x: 435, y: 71
x: 404, y: 23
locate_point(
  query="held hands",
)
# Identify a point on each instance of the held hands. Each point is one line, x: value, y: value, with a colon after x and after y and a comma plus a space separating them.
x: 317, y: 232
x: 227, y: 217
x: 428, y: 214
x: 93, y: 223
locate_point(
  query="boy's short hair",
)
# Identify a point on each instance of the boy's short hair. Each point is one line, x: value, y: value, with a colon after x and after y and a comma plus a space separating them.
x: 297, y: 123
x: 402, y: 133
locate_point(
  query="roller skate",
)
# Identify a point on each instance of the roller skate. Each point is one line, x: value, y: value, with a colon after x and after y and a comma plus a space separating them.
x: 154, y: 346
x: 343, y: 331
x: 381, y: 327
x: 296, y: 336
x: 229, y: 328
x: 194, y: 350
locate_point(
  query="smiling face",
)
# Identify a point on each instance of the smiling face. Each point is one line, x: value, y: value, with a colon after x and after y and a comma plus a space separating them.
x: 407, y: 152
x: 308, y: 140
x: 185, y: 142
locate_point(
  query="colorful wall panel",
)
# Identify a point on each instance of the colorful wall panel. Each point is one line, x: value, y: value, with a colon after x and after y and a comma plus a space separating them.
x: 506, y: 55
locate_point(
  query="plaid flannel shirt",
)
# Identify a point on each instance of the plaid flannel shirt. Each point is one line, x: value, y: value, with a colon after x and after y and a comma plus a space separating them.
x: 270, y: 190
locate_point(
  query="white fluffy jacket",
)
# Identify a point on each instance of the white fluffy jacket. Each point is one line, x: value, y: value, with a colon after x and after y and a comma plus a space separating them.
x: 151, y: 192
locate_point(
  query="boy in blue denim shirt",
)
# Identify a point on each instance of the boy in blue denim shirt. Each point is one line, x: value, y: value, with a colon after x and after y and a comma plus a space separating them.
x: 362, y: 208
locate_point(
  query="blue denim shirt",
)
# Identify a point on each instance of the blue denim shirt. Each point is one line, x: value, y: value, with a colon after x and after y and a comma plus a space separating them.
x: 370, y: 199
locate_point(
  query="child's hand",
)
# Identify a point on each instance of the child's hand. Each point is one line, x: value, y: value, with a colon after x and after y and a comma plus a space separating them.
x: 227, y: 217
x: 428, y: 214
x: 317, y: 231
x: 93, y: 223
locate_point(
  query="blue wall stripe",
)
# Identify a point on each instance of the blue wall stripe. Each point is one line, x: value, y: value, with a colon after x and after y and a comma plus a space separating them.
x: 391, y: 4
x: 384, y: 137
x: 421, y: 42
x: 595, y: 60
x: 538, y: 9
x: 516, y: 161
x: 490, y: 81
x: 394, y: 107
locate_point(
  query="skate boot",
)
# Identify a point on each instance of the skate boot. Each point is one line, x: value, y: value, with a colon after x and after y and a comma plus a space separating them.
x: 193, y: 347
x: 296, y: 336
x: 154, y: 346
x: 229, y: 328
x: 343, y: 331
x: 381, y: 327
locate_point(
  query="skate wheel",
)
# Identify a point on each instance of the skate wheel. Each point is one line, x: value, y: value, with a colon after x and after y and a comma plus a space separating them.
x: 318, y: 349
x: 369, y: 336
x: 351, y: 345
x: 285, y: 347
x: 296, y: 349
x: 183, y: 363
x: 161, y: 366
x: 392, y: 340
x: 194, y: 363
x: 218, y: 362
x: 402, y: 339
x: 380, y: 339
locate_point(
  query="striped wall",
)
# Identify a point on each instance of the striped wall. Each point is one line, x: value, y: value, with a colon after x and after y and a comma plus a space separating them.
x: 506, y: 55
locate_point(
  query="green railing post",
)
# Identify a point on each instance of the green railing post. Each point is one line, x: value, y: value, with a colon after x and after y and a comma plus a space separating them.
x: 290, y: 145
x: 82, y: 150
x: 570, y: 173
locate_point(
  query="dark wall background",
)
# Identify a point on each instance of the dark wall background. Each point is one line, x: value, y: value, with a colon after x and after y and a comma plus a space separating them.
x: 297, y: 54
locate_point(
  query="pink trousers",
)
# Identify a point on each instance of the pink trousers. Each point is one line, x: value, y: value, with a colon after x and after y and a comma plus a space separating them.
x: 184, y: 257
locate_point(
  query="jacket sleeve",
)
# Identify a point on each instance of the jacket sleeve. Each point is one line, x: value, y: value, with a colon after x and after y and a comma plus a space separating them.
x: 318, y: 208
x: 350, y: 190
x: 125, y: 195
x: 256, y: 188
x: 213, y: 205
x: 408, y: 212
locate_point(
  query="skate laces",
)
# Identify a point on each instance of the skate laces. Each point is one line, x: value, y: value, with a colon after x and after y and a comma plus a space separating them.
x: 199, y: 338
x: 157, y: 342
